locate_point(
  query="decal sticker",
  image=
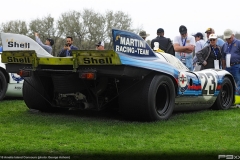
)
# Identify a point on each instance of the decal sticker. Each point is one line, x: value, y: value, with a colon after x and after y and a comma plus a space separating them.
x: 16, y: 77
x: 183, y: 82
x: 208, y: 84
x: 131, y: 44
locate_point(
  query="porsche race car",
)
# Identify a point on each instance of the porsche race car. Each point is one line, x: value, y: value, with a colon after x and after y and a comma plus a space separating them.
x: 140, y: 83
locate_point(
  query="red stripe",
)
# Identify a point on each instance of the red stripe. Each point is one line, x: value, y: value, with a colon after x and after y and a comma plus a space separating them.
x: 193, y: 87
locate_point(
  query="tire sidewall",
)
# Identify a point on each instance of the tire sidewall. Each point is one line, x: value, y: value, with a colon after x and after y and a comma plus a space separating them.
x: 4, y: 85
x: 219, y: 98
x: 157, y: 81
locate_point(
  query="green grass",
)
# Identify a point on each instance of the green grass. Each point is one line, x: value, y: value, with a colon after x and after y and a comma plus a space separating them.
x: 106, y: 135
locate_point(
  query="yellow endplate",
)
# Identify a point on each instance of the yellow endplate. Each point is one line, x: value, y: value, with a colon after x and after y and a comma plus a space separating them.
x: 21, y: 57
x: 80, y: 57
x: 237, y: 99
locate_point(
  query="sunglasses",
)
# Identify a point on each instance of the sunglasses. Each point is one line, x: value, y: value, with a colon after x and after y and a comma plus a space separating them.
x: 208, y: 32
x: 212, y: 39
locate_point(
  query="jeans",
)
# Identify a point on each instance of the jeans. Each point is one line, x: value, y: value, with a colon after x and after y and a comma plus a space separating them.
x: 188, y: 61
x: 235, y: 71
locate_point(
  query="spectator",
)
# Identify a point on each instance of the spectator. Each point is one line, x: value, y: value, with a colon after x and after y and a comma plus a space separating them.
x: 231, y: 56
x: 143, y: 34
x: 199, y: 45
x: 209, y: 31
x: 100, y: 45
x: 210, y: 56
x: 184, y: 47
x: 48, y: 43
x: 68, y: 47
x: 163, y: 43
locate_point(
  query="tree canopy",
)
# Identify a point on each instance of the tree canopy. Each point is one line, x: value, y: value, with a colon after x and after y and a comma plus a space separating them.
x: 86, y: 27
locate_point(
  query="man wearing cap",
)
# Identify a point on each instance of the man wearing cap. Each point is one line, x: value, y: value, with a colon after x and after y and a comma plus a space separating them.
x: 143, y: 34
x: 68, y: 47
x: 209, y: 31
x: 210, y: 56
x: 100, y: 45
x: 163, y: 43
x: 231, y: 56
x: 184, y: 46
x: 199, y: 45
x: 48, y: 43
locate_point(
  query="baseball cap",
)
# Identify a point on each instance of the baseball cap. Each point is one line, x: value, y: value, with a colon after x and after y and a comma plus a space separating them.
x: 212, y: 36
x: 198, y: 34
x: 211, y: 30
x: 183, y: 29
x: 101, y: 43
x: 143, y: 34
x: 227, y: 33
x: 160, y: 30
x: 51, y: 41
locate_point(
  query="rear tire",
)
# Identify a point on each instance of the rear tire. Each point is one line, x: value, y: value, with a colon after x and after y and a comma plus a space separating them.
x: 150, y: 100
x: 3, y: 85
x: 36, y: 93
x: 225, y: 96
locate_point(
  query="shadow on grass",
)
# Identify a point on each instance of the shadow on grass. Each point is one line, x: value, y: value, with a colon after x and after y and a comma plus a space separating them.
x: 110, y: 114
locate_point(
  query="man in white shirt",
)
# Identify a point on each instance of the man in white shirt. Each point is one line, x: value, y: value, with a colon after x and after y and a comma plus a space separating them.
x: 184, y: 46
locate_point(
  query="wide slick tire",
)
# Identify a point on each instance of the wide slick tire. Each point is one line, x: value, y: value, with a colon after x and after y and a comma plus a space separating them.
x: 3, y: 85
x: 36, y: 93
x: 152, y: 99
x: 226, y: 95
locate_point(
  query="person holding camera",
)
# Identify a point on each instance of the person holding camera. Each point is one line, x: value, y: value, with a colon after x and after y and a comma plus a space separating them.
x: 48, y: 43
x: 68, y: 47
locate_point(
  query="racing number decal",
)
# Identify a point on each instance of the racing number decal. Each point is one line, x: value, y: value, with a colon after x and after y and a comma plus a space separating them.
x: 208, y: 83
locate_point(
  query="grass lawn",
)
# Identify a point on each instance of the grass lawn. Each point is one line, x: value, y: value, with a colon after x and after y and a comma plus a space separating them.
x: 106, y: 135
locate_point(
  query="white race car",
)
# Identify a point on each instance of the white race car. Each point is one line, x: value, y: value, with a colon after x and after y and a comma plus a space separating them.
x: 10, y: 83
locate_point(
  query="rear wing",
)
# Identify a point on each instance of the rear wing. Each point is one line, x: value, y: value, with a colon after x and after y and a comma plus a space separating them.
x: 80, y: 57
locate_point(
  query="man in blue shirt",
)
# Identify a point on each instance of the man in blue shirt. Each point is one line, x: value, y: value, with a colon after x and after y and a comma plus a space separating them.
x: 68, y: 47
x: 231, y: 56
x: 209, y: 31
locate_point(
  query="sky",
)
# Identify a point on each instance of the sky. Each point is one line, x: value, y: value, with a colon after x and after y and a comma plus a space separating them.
x: 150, y: 15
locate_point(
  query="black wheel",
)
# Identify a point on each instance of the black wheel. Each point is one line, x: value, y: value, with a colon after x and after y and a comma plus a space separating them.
x: 3, y: 85
x: 225, y: 97
x: 151, y: 100
x: 36, y: 93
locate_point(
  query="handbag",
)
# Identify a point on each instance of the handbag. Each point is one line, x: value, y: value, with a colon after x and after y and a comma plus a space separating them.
x: 198, y: 67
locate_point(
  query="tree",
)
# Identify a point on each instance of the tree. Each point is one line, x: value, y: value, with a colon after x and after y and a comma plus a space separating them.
x: 86, y: 27
x: 45, y: 28
x: 19, y: 27
x: 118, y: 20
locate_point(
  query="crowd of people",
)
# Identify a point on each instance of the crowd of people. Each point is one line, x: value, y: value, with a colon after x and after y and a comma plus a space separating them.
x: 66, y: 51
x: 194, y: 51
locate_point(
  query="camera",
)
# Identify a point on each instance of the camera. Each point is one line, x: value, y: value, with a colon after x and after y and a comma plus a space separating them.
x: 66, y: 45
